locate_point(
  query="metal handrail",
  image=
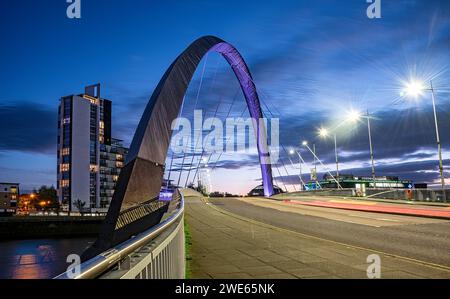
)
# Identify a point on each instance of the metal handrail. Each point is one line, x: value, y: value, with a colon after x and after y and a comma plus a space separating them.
x: 96, y: 266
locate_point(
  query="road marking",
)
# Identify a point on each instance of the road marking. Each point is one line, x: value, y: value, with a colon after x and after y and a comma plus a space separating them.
x: 381, y: 219
x: 412, y: 260
x: 385, y: 219
x: 353, y: 222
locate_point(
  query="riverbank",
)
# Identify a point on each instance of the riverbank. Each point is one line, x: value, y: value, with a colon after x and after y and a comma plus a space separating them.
x: 35, y: 227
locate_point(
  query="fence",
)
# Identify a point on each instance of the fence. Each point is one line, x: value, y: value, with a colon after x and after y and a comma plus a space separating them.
x: 158, y: 252
x: 421, y: 195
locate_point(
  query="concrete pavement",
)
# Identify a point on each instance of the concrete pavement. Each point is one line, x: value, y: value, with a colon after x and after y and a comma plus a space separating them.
x: 226, y: 245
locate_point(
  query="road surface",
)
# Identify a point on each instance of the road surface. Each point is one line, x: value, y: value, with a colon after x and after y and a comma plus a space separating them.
x: 317, y: 242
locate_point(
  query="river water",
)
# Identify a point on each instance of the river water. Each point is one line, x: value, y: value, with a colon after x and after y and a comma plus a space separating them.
x: 39, y: 258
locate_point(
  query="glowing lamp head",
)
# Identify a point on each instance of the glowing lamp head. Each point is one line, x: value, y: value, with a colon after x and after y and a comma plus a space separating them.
x: 353, y: 115
x: 413, y: 89
x: 291, y: 152
x: 305, y: 143
x: 323, y: 132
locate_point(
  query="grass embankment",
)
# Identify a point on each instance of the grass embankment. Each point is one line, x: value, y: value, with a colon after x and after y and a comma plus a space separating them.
x: 187, y: 246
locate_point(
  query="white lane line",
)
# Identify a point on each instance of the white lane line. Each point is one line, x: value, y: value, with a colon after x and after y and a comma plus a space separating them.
x: 381, y: 219
x: 384, y: 219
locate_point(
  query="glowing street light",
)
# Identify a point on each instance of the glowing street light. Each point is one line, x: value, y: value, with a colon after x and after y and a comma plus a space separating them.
x: 324, y: 134
x: 353, y: 115
x: 305, y: 143
x: 414, y: 89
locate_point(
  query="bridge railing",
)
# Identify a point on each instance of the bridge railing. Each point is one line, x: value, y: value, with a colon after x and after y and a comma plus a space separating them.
x: 158, y: 252
x: 420, y: 195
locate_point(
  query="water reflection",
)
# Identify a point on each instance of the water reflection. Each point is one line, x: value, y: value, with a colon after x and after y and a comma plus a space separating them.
x: 38, y: 259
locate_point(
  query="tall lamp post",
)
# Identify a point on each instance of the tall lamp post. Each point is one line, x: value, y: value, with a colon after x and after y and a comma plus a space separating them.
x: 300, y: 160
x: 371, y: 148
x: 415, y: 89
x: 324, y: 133
x: 355, y: 116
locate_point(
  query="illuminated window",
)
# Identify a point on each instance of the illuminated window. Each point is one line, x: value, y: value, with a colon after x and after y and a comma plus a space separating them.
x: 101, y: 139
x: 93, y: 168
x: 102, y: 125
x: 64, y: 167
x: 93, y: 101
x: 115, y: 178
x: 119, y: 164
x: 119, y: 157
x: 66, y: 121
x: 64, y: 183
x: 65, y: 151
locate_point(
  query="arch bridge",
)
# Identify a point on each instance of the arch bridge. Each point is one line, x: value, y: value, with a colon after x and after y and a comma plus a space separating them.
x: 135, y: 209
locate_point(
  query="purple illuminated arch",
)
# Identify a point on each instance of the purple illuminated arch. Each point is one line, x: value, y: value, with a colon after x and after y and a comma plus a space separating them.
x: 141, y: 178
x: 165, y: 104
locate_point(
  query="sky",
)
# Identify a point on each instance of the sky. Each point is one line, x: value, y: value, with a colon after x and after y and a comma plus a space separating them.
x: 311, y: 61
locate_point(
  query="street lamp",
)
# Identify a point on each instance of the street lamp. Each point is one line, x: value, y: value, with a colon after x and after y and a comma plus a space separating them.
x: 355, y: 116
x: 324, y: 134
x: 414, y: 89
x: 300, y: 159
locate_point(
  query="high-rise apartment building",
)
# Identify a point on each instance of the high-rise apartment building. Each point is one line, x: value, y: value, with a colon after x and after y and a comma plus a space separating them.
x: 84, y: 137
x: 112, y: 160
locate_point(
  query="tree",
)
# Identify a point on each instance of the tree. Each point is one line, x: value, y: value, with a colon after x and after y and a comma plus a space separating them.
x: 49, y: 196
x: 79, y: 204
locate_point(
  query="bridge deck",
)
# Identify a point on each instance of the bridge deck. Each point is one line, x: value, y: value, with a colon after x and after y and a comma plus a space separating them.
x: 225, y: 245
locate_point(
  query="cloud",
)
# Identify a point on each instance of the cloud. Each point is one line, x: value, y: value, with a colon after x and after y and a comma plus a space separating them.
x: 28, y: 127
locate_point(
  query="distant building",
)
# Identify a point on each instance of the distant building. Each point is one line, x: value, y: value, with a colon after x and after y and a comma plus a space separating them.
x: 9, y: 196
x: 259, y: 191
x: 359, y: 182
x: 84, y: 145
x: 112, y: 160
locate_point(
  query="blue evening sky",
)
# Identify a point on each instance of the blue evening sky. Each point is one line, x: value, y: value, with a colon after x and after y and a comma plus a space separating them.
x: 312, y: 60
